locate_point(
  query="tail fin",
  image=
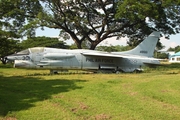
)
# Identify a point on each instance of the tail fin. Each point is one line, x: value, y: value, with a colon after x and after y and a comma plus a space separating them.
x: 146, y: 47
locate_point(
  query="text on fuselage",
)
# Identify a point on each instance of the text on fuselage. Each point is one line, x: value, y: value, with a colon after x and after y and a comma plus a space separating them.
x: 99, y: 60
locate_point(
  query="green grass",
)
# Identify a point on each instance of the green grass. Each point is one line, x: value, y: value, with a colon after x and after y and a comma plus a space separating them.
x: 37, y: 95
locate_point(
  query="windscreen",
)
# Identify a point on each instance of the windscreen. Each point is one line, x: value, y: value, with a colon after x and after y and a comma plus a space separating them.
x: 24, y: 52
x: 37, y: 49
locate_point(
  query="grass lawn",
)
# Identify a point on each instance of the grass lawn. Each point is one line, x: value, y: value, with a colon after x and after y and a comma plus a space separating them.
x: 36, y: 95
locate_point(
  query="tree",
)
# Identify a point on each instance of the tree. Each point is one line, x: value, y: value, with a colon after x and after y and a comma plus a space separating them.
x: 143, y: 16
x: 81, y: 20
x: 19, y: 15
x: 43, y: 42
x: 97, y: 20
x: 14, y: 15
x: 176, y: 49
x: 161, y: 55
x: 8, y: 46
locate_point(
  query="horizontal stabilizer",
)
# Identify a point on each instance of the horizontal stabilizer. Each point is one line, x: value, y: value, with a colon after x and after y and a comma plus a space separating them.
x: 152, y: 65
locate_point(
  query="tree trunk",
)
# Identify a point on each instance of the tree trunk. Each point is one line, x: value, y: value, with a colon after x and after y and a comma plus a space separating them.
x: 93, y: 45
x: 78, y: 43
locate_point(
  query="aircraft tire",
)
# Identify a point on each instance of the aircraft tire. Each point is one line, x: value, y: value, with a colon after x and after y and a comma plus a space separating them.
x: 137, y: 71
x: 117, y: 72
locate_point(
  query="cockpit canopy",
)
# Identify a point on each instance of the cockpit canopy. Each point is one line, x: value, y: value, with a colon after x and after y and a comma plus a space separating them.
x: 37, y: 49
x: 24, y: 52
x: 31, y: 50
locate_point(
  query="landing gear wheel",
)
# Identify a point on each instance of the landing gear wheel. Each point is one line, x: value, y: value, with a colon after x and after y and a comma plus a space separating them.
x: 117, y: 72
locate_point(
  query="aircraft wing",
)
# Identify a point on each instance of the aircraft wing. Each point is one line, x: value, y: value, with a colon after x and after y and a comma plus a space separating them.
x: 105, y: 54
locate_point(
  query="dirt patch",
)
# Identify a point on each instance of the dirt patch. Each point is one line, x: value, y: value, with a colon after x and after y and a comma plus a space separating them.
x: 81, y: 106
x: 10, y: 118
x: 133, y: 93
x: 102, y: 117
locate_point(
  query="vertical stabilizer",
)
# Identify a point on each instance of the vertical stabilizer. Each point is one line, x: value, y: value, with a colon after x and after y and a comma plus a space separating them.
x: 146, y: 47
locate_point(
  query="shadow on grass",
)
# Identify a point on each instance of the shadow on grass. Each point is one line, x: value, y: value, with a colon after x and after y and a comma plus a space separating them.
x: 20, y: 93
x: 6, y: 65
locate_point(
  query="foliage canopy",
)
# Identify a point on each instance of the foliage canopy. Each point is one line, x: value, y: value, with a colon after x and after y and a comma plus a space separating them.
x: 92, y: 20
x: 43, y: 42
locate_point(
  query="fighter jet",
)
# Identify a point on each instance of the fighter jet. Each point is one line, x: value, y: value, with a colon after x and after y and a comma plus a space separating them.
x: 90, y: 60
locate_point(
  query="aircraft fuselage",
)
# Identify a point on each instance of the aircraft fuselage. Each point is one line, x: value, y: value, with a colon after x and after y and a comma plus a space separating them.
x: 79, y: 59
x: 61, y: 59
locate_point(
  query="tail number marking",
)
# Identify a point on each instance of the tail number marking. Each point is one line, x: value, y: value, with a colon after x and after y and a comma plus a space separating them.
x: 144, y: 52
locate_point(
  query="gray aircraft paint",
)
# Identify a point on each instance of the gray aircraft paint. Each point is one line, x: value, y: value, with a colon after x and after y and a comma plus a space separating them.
x: 145, y: 48
x: 80, y: 59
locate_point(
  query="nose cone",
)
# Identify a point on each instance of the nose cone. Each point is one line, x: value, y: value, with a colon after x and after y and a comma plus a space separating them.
x: 11, y: 57
x: 14, y: 57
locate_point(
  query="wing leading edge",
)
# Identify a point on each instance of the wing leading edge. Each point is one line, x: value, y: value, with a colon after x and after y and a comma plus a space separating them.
x: 105, y: 54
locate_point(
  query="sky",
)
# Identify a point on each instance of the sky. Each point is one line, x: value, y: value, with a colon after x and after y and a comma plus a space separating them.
x: 172, y: 42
